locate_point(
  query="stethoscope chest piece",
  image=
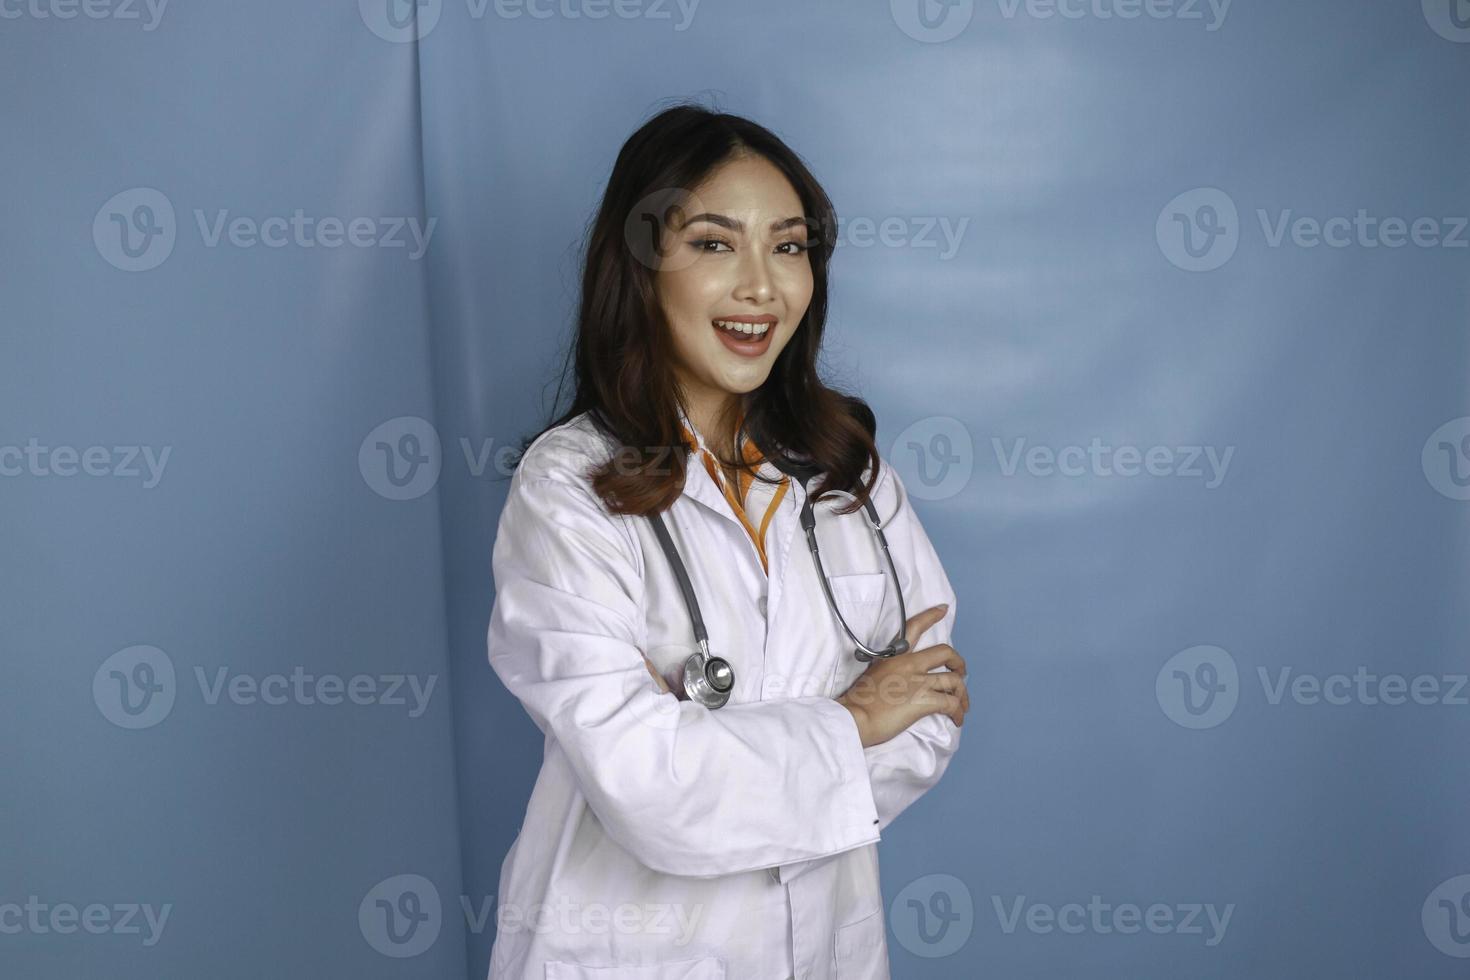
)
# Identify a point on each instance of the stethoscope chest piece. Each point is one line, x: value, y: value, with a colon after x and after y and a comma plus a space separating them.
x: 708, y: 680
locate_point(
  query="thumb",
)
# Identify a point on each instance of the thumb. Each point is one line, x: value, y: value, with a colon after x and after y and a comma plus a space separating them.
x: 920, y: 622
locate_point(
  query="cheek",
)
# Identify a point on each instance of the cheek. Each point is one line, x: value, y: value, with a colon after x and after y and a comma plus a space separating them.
x: 797, y: 284
x: 689, y: 294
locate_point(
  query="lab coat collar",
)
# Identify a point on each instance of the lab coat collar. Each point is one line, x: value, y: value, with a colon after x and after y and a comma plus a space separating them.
x: 784, y: 526
x: 699, y: 486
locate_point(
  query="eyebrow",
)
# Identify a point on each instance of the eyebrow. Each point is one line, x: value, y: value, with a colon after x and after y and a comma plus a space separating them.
x: 734, y: 224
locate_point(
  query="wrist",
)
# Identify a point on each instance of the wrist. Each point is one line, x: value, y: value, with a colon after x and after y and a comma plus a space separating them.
x: 859, y: 719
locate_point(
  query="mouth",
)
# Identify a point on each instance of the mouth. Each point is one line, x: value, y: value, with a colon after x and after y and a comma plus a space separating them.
x: 747, y: 337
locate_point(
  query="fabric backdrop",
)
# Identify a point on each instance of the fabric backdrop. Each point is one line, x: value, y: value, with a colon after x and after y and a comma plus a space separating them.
x: 1161, y: 306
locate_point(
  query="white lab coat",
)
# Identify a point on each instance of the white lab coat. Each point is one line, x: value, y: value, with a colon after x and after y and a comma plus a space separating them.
x: 663, y: 840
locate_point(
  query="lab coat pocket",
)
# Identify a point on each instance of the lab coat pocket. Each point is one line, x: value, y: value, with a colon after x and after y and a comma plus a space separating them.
x: 859, y: 597
x: 705, y: 968
x: 860, y: 951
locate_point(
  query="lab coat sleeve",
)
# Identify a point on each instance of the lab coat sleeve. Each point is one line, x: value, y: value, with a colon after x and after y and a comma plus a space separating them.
x: 685, y: 790
x: 903, y: 768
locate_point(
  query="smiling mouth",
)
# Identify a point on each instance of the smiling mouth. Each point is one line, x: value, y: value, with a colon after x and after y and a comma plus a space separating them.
x: 743, y: 331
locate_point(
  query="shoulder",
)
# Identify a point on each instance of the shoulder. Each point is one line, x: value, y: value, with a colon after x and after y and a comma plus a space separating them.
x: 566, y: 453
x: 552, y: 486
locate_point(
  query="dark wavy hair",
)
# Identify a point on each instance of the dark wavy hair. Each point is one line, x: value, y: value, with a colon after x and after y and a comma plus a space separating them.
x: 623, y: 349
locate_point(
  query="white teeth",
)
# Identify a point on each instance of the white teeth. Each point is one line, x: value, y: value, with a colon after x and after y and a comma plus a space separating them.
x: 751, y: 329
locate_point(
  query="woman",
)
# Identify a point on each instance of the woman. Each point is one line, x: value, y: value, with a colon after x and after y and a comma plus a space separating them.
x: 668, y: 837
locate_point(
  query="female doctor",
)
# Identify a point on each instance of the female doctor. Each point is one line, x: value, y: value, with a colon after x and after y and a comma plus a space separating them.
x: 701, y: 514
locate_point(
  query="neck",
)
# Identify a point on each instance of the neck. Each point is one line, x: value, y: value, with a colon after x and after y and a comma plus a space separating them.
x: 715, y: 416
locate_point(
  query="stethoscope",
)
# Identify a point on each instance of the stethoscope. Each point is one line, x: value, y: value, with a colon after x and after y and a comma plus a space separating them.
x: 708, y: 680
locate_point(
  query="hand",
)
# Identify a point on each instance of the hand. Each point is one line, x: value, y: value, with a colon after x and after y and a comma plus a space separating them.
x: 895, y: 692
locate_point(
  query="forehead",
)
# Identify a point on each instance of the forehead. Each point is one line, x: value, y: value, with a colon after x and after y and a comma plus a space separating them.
x: 749, y: 186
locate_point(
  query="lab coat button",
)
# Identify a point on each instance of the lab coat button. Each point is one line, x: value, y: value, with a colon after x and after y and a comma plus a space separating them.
x: 761, y: 605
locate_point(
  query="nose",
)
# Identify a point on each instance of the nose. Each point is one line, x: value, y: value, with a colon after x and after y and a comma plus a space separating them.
x: 755, y: 276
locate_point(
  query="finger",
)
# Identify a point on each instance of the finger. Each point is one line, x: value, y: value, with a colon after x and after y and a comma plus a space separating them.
x: 657, y: 677
x: 939, y: 655
x: 950, y: 706
x: 919, y: 622
x: 946, y: 681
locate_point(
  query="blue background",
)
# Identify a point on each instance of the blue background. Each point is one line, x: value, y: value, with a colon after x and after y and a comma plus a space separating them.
x: 1099, y: 288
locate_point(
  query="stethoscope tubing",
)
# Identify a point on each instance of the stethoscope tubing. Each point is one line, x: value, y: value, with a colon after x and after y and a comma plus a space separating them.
x: 709, y: 679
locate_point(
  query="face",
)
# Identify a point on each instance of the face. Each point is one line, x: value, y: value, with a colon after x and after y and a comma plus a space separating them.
x: 739, y: 260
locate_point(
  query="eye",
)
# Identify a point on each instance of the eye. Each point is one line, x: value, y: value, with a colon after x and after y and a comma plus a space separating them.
x: 702, y: 244
x: 796, y: 247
